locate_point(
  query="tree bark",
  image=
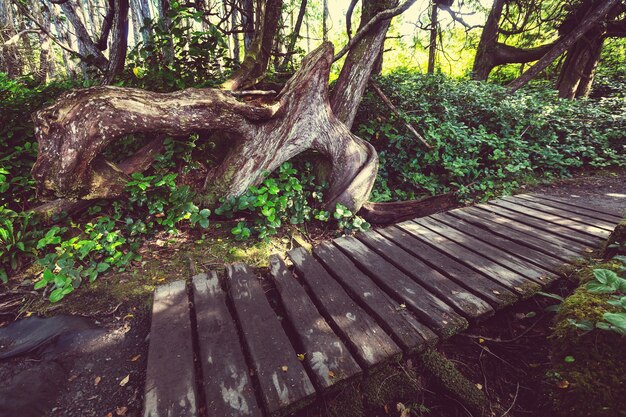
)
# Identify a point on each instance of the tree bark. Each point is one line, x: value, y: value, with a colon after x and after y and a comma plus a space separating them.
x: 86, y: 45
x: 357, y: 68
x: 73, y: 132
x: 247, y: 19
x: 119, y: 42
x: 295, y: 35
x: 563, y: 44
x: 432, y: 46
x: 485, y: 53
x: 257, y: 57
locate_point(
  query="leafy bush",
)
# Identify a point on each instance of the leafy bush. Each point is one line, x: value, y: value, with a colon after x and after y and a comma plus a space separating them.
x: 179, y: 54
x: 486, y: 141
x: 288, y: 196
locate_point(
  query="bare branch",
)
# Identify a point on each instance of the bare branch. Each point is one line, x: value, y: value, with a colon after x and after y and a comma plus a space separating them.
x: 384, y: 15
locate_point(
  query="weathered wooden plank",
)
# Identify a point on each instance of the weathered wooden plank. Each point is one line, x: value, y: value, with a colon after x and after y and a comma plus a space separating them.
x: 408, y: 332
x: 600, y: 224
x: 521, y: 233
x: 542, y: 260
x: 228, y: 389
x: 608, y: 218
x: 370, y: 343
x: 498, y: 295
x: 462, y: 299
x: 573, y: 236
x: 326, y: 355
x: 522, y: 267
x: 576, y: 202
x: 284, y: 383
x: 508, y: 278
x: 570, y: 224
x: 171, y: 377
x: 437, y: 314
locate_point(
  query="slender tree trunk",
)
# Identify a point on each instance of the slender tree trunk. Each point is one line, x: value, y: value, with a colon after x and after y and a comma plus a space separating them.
x: 589, y: 72
x: 10, y: 59
x: 233, y: 26
x: 86, y: 45
x: 563, y: 44
x: 294, y: 35
x: 119, y: 41
x: 247, y: 19
x: 576, y: 74
x: 356, y: 70
x: 325, y: 21
x: 432, y: 46
x: 257, y: 58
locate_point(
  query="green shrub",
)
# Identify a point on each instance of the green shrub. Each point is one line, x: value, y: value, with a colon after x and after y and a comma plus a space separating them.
x: 485, y: 140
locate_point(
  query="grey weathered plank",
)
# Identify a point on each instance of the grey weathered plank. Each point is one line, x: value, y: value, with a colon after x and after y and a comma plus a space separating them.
x: 575, y: 202
x: 438, y: 315
x: 542, y: 260
x: 326, y: 355
x: 228, y: 389
x: 370, y: 343
x: 497, y: 295
x: 409, y: 333
x: 600, y: 224
x: 284, y: 383
x: 609, y: 218
x: 508, y: 278
x: 521, y: 266
x: 170, y: 378
x: 541, y: 224
x: 570, y: 224
x: 461, y: 298
x: 519, y: 232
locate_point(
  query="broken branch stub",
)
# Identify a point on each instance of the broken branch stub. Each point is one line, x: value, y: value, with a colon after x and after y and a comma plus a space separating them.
x: 73, y: 132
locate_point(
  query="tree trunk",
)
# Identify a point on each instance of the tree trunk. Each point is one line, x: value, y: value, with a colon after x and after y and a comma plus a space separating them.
x: 356, y: 70
x: 485, y: 53
x: 86, y: 45
x: 432, y: 46
x: 74, y: 131
x: 257, y: 57
x: 247, y: 19
x: 295, y: 35
x: 119, y: 42
x: 579, y: 65
x: 325, y: 20
x: 563, y: 44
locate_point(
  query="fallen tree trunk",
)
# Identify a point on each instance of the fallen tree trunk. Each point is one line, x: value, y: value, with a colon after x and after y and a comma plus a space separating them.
x: 73, y: 132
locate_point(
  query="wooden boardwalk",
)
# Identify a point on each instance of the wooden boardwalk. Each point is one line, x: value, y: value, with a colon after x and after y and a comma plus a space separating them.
x: 353, y: 304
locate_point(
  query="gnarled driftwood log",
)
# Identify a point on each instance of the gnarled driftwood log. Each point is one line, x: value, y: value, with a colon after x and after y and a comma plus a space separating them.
x: 73, y: 132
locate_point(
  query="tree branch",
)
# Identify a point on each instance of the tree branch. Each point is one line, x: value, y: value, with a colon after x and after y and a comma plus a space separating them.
x: 384, y: 15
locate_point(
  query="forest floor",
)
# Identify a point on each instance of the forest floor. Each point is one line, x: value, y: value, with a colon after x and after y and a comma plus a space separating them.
x: 506, y: 356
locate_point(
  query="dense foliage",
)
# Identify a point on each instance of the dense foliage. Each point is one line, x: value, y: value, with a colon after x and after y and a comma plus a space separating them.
x: 486, y: 141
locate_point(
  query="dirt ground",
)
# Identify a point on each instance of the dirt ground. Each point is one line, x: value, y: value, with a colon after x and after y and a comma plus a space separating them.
x: 506, y: 355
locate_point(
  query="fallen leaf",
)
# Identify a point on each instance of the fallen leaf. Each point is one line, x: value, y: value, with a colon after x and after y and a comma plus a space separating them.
x: 301, y: 356
x: 479, y: 386
x: 121, y: 411
x: 285, y: 368
x: 588, y: 250
x: 72, y: 377
x: 496, y: 292
x: 563, y: 384
x: 97, y: 381
x: 135, y: 358
x: 110, y: 415
x: 128, y: 316
x: 125, y: 380
x: 481, y: 340
x: 386, y: 407
x: 331, y: 374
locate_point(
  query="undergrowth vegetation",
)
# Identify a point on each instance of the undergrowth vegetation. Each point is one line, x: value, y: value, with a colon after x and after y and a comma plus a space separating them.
x: 485, y: 140
x: 485, y: 143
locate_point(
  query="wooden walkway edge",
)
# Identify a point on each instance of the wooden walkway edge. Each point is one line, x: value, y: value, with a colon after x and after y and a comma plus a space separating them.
x: 245, y: 345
